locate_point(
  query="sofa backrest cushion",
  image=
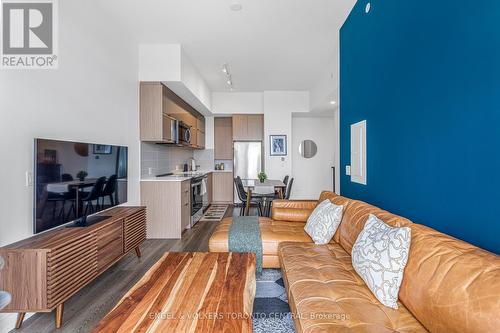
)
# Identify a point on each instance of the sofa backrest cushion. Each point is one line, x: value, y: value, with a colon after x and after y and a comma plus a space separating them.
x: 355, y: 216
x: 450, y: 285
x: 293, y: 210
x: 339, y: 201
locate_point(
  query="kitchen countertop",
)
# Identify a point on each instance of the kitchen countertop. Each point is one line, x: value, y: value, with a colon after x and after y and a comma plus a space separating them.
x: 179, y: 178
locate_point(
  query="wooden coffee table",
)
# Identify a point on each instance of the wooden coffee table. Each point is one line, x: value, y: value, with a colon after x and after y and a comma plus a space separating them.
x: 189, y: 292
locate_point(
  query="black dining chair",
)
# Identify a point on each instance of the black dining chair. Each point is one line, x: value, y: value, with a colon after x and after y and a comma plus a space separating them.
x: 94, y: 194
x: 288, y: 189
x: 243, y: 196
x: 109, y: 190
x: 66, y: 177
x: 285, y: 180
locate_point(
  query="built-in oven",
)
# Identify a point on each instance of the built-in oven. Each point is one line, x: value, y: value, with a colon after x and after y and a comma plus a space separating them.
x: 199, y: 198
x: 184, y: 133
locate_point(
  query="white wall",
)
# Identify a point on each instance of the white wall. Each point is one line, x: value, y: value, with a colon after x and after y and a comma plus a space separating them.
x: 93, y: 96
x: 278, y: 109
x: 313, y: 175
x: 237, y: 102
x: 168, y: 63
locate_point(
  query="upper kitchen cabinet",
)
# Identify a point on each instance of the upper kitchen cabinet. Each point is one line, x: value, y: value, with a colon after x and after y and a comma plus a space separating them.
x: 248, y: 127
x: 156, y: 125
x: 223, y: 138
x: 159, y: 108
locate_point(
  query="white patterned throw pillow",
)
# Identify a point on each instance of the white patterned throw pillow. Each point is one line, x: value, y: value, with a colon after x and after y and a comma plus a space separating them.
x: 323, y: 222
x: 379, y: 256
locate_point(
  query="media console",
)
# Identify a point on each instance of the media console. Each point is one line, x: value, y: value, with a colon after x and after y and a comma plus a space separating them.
x: 45, y: 270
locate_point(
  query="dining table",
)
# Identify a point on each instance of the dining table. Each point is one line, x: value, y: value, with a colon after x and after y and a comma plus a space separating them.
x: 77, y: 185
x: 250, y: 184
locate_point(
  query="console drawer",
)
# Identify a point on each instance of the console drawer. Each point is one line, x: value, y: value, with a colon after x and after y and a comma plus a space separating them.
x: 109, y: 244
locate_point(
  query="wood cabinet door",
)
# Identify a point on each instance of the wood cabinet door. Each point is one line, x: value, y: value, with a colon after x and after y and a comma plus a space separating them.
x: 209, y: 187
x: 223, y: 138
x: 240, y: 127
x: 200, y: 139
x: 70, y: 267
x: 185, y: 204
x: 150, y: 110
x: 200, y: 124
x: 222, y: 187
x: 255, y: 127
x: 194, y: 138
x: 134, y: 230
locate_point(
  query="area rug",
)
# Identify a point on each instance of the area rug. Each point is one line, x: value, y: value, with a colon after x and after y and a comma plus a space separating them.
x: 214, y: 213
x: 271, y: 313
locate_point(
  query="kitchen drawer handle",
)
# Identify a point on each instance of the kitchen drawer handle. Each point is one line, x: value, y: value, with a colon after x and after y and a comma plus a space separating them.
x: 187, y: 203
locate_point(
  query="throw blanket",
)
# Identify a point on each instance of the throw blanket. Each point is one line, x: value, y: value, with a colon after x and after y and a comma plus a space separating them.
x: 244, y: 236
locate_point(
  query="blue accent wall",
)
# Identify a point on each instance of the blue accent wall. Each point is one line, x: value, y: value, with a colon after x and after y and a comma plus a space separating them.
x: 426, y: 77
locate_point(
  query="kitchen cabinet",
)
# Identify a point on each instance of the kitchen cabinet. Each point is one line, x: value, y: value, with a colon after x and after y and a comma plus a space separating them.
x: 159, y: 108
x: 222, y: 187
x: 156, y: 125
x: 200, y: 139
x: 223, y: 138
x: 200, y: 124
x: 248, y: 127
x: 209, y: 187
x: 169, y: 207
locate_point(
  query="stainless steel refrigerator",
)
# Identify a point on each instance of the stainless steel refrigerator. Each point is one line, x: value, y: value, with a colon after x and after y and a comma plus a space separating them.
x: 247, y: 161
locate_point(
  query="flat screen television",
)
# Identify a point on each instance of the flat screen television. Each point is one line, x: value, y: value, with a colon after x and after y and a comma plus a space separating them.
x: 75, y: 180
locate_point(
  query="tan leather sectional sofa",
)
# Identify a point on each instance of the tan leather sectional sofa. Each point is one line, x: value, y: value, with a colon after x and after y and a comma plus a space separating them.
x: 448, y: 285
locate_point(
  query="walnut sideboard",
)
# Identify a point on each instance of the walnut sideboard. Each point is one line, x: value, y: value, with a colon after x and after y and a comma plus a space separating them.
x: 45, y: 270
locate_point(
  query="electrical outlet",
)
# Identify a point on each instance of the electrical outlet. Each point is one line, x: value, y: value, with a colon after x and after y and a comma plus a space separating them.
x: 29, y: 179
x: 348, y: 170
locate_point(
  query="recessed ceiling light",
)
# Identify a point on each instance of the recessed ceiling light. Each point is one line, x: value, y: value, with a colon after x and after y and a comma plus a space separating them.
x: 236, y: 7
x: 333, y: 102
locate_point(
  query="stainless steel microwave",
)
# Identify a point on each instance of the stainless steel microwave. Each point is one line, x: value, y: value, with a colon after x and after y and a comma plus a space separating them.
x: 184, y: 133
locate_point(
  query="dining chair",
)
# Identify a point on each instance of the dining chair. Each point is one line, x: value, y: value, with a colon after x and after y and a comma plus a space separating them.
x: 288, y: 189
x: 94, y: 194
x: 243, y: 196
x: 109, y: 190
x: 66, y: 177
x: 266, y: 194
x: 285, y: 180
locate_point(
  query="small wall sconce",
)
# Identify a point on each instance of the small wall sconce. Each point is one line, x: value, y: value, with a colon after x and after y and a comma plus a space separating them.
x: 368, y: 7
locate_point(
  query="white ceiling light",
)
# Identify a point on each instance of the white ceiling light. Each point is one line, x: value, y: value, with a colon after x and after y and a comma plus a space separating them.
x: 333, y: 102
x: 236, y: 7
x: 229, y: 80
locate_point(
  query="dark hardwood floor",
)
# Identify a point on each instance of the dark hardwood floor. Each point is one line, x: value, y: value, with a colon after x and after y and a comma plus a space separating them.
x: 85, y: 309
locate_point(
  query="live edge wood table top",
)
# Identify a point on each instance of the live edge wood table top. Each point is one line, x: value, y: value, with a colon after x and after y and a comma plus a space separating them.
x: 189, y: 292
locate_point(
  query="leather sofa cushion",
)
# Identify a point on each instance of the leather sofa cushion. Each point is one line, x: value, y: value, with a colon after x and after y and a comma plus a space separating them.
x: 327, y: 295
x: 338, y: 200
x: 450, y: 285
x: 292, y: 210
x: 272, y: 233
x: 355, y: 217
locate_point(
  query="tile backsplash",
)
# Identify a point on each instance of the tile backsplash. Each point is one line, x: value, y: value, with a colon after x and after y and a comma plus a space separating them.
x: 205, y: 159
x: 157, y: 159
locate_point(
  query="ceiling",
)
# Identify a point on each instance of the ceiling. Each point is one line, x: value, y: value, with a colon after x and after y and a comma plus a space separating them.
x: 268, y: 45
